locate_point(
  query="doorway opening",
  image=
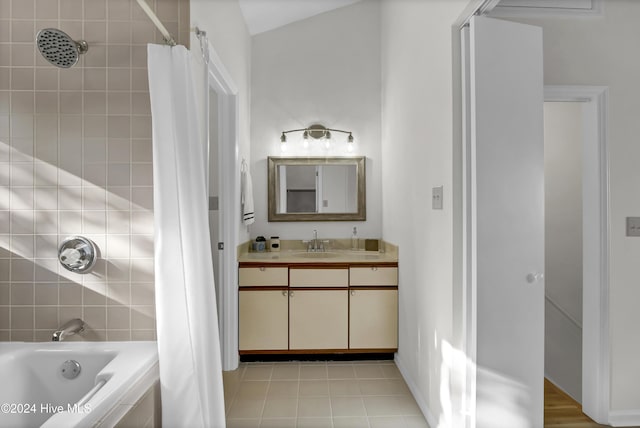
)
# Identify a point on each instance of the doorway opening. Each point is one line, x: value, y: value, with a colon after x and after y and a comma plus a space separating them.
x: 563, y: 141
x: 576, y: 246
x: 222, y: 117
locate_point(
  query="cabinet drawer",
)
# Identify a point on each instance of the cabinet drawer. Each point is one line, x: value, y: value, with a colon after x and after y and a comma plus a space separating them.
x: 374, y: 276
x: 263, y: 276
x: 334, y: 277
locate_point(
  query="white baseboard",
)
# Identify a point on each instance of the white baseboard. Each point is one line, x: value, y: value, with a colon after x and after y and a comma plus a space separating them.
x: 417, y: 395
x: 624, y: 418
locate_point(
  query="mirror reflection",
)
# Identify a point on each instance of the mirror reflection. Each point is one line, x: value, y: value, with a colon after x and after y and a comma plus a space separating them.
x: 316, y: 189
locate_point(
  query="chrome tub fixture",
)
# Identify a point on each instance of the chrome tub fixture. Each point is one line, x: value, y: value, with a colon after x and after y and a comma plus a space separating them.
x: 78, y: 254
x: 69, y: 328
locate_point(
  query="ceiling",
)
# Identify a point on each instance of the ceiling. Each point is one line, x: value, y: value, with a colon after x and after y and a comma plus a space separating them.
x: 265, y: 15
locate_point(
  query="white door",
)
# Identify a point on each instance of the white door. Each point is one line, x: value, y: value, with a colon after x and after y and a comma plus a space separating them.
x: 505, y: 196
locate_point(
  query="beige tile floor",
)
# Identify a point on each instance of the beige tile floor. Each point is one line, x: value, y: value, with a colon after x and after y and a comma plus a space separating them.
x: 331, y: 394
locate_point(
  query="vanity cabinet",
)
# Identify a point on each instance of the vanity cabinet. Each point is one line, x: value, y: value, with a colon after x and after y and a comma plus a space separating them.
x: 318, y: 307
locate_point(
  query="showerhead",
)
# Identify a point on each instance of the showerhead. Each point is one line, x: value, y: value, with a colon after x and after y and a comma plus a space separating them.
x: 58, y: 48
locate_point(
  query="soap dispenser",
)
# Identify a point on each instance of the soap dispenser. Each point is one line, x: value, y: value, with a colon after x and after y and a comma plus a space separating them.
x: 354, y: 239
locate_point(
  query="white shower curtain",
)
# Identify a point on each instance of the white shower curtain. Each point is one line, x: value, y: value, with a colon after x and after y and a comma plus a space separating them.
x: 188, y: 342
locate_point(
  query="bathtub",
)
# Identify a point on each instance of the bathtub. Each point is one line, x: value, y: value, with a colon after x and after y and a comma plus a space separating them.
x: 34, y: 390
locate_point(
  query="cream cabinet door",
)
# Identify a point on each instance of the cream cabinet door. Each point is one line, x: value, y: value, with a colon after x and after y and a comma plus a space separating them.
x: 264, y: 320
x: 318, y: 319
x: 373, y: 319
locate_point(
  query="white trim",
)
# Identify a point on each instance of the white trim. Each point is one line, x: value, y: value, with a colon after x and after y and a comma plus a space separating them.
x: 501, y: 11
x: 228, y: 166
x: 624, y: 418
x: 417, y: 395
x: 595, y: 336
x: 469, y: 254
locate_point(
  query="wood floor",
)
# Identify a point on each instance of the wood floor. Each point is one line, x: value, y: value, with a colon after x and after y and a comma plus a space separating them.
x: 562, y: 411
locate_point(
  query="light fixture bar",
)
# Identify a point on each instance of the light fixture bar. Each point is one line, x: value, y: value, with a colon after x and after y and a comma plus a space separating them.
x: 316, y: 131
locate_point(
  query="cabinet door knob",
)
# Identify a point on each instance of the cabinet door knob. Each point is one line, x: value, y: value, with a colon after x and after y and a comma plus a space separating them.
x: 534, y: 277
x: 262, y: 268
x: 284, y: 293
x: 290, y: 293
x: 353, y: 293
x: 374, y: 268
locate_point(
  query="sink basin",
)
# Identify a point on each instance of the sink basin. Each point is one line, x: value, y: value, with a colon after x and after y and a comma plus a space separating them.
x: 318, y: 255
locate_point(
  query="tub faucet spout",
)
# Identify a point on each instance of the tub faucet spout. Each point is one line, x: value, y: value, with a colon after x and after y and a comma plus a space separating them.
x: 69, y: 328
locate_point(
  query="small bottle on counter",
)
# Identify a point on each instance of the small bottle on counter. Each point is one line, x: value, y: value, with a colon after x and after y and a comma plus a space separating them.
x: 354, y: 239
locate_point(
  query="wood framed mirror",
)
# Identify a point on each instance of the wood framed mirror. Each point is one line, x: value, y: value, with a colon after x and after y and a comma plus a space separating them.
x: 316, y: 189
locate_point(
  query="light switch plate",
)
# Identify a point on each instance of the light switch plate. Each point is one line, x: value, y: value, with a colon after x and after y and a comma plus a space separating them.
x: 633, y: 226
x: 436, y: 198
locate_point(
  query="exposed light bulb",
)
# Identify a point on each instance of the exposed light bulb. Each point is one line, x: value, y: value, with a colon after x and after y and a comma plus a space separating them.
x: 283, y: 146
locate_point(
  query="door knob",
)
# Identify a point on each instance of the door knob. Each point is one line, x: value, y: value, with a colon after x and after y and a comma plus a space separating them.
x: 534, y: 277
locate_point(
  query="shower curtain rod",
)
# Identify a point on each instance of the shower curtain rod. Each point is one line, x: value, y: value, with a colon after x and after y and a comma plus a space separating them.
x: 168, y: 38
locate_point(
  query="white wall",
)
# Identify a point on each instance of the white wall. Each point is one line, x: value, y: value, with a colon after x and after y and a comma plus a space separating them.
x: 229, y: 37
x: 325, y: 69
x: 563, y: 140
x: 600, y: 51
x: 417, y: 148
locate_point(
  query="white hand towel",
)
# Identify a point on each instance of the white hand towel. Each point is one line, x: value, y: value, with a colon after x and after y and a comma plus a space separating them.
x: 248, y: 215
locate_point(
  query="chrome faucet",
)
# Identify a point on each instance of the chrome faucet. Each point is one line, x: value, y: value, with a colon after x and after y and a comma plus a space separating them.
x: 316, y: 245
x: 69, y: 328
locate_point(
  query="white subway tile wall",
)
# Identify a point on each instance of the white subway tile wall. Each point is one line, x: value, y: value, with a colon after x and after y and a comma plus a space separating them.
x: 75, y: 158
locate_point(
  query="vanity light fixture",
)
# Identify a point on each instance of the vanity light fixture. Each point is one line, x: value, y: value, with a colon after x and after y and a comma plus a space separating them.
x: 317, y: 132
